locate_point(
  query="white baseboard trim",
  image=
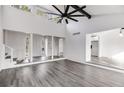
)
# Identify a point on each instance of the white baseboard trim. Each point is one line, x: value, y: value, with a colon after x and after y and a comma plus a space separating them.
x: 104, y: 67
x: 33, y: 63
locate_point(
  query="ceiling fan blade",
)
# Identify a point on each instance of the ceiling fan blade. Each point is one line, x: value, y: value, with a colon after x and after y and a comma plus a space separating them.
x: 76, y: 15
x: 67, y: 8
x: 76, y: 10
x: 72, y: 19
x: 60, y: 20
x: 53, y: 13
x: 81, y: 11
x: 53, y: 18
x: 57, y: 9
x: 66, y: 21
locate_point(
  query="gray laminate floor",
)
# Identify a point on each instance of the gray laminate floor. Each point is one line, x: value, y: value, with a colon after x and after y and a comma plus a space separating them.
x: 62, y: 73
x: 104, y: 61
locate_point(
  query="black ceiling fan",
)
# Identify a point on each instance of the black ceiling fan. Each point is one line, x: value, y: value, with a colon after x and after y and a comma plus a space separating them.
x: 70, y: 15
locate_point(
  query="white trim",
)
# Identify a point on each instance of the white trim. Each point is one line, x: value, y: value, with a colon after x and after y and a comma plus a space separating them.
x: 46, y: 46
x: 28, y: 64
x: 52, y: 47
x: 31, y: 47
x: 104, y: 67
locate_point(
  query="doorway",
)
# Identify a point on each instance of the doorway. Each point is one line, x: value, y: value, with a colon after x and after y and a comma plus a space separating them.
x: 94, y: 48
x: 105, y: 48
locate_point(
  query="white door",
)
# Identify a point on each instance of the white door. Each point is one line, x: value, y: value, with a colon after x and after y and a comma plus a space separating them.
x: 95, y: 48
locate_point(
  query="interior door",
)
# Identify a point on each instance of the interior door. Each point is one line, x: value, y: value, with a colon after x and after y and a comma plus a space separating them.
x: 95, y: 48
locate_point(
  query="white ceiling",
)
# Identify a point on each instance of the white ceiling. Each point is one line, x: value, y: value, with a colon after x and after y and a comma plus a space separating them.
x: 104, y: 9
x: 92, y: 9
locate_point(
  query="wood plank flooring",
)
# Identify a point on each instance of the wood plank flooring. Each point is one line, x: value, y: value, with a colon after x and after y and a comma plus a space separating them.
x: 104, y: 61
x: 62, y: 73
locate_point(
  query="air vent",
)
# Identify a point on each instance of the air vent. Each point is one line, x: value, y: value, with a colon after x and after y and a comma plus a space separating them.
x: 77, y: 33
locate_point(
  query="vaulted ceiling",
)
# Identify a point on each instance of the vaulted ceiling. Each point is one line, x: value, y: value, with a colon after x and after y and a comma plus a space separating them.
x: 93, y: 10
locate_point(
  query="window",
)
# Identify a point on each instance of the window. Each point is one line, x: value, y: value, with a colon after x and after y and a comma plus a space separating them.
x: 39, y: 12
x: 25, y: 8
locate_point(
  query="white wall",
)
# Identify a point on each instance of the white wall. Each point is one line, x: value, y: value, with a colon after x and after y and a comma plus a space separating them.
x: 1, y: 36
x: 88, y: 47
x: 76, y: 45
x: 17, y: 20
x: 111, y: 43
